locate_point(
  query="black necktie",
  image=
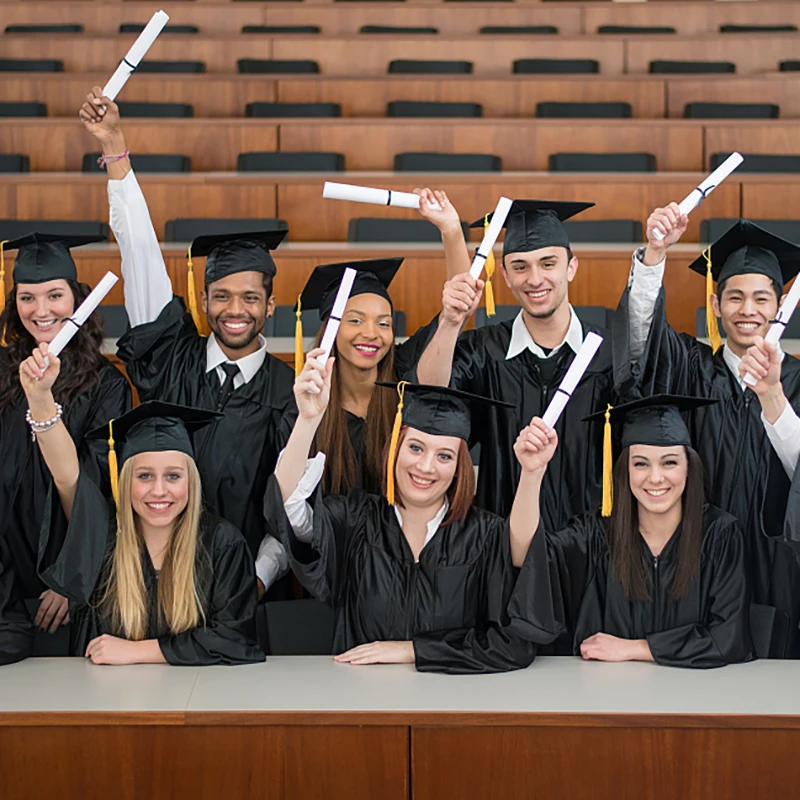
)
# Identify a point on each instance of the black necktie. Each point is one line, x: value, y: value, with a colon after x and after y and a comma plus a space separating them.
x: 231, y: 371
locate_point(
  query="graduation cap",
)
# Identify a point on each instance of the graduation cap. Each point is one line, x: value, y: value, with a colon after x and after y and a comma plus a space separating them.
x: 151, y: 427
x: 530, y: 225
x: 654, y: 420
x: 436, y: 410
x: 229, y: 253
x: 42, y: 257
x: 373, y: 276
x: 742, y: 250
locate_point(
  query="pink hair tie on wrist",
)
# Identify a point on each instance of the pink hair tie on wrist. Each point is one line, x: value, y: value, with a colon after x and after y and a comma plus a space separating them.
x: 103, y: 160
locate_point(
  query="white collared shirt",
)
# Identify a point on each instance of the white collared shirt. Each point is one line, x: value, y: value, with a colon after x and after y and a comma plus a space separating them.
x: 521, y: 338
x: 248, y: 365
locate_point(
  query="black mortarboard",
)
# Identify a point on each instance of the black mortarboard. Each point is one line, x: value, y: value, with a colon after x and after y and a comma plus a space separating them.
x: 229, y: 253
x: 373, y: 277
x: 437, y: 410
x: 534, y: 224
x: 746, y: 248
x: 45, y: 257
x: 655, y: 421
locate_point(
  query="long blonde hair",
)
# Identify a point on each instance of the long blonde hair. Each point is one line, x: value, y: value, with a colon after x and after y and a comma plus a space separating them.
x: 125, y: 598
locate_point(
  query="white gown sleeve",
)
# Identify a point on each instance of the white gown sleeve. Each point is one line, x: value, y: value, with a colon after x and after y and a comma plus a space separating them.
x: 784, y: 436
x: 645, y: 284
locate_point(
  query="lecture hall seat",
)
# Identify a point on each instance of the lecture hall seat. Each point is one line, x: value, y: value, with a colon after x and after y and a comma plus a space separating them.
x: 789, y: 66
x: 187, y: 67
x: 290, y: 162
x: 281, y: 29
x: 518, y: 30
x: 275, y: 66
x: 661, y: 67
x: 22, y: 109
x: 144, y: 162
x: 447, y: 162
x: 403, y: 66
x: 555, y: 66
x: 601, y: 162
x: 393, y: 30
x: 263, y: 109
x: 187, y: 229
x: 757, y: 28
x: 731, y: 111
x: 572, y: 110
x: 138, y: 27
x: 418, y: 108
x: 760, y: 162
x: 129, y: 108
x: 635, y: 30
x: 31, y: 65
x: 68, y: 27
x: 14, y: 162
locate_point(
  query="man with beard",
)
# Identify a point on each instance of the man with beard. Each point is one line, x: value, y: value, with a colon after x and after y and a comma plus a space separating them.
x: 230, y: 371
x: 523, y: 362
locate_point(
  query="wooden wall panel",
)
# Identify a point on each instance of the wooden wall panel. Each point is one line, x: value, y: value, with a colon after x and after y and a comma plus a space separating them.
x: 752, y: 137
x: 770, y: 200
x: 783, y: 90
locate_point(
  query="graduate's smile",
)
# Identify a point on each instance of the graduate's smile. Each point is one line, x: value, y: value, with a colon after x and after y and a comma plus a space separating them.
x: 43, y: 307
x: 236, y: 326
x: 419, y: 482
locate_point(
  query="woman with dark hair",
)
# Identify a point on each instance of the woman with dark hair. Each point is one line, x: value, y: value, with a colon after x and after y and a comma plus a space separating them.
x: 420, y: 575
x: 659, y: 576
x: 89, y: 391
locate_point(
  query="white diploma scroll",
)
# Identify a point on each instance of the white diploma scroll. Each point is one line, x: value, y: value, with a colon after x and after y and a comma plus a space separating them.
x: 332, y: 328
x: 490, y: 237
x: 72, y: 324
x: 591, y: 344
x: 776, y: 330
x: 377, y: 197
x: 135, y: 55
x: 696, y: 196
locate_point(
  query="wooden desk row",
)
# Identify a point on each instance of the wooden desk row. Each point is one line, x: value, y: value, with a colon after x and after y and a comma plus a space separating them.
x: 370, y: 55
x: 511, y: 96
x: 343, y: 18
x: 55, y: 145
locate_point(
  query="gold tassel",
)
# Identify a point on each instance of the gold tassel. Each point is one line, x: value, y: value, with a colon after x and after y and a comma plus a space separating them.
x: 398, y: 423
x: 490, y: 267
x: 298, y: 339
x: 608, y: 467
x: 192, y: 291
x: 714, y: 339
x: 113, y: 470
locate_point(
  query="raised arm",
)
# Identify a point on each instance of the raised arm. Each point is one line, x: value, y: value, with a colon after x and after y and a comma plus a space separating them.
x: 448, y: 222
x: 56, y: 445
x: 147, y: 285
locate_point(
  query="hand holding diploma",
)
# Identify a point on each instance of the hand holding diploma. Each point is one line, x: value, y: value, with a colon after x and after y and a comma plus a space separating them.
x: 335, y: 318
x: 365, y: 194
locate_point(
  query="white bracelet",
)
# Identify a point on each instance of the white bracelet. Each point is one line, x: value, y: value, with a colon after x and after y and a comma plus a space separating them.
x: 43, y: 427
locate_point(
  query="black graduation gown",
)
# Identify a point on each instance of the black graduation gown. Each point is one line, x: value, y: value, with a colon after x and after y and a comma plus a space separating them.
x: 573, y: 482
x: 710, y: 627
x: 745, y: 476
x: 24, y: 485
x: 74, y: 561
x: 166, y: 360
x: 451, y: 604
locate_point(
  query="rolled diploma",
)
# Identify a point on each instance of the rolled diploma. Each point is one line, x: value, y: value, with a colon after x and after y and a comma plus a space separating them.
x: 490, y: 237
x: 590, y: 346
x: 377, y: 197
x: 692, y: 200
x: 83, y: 312
x: 135, y: 54
x: 332, y: 328
x: 778, y: 327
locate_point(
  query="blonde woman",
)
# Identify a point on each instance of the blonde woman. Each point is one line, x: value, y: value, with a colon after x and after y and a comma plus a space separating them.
x: 159, y: 580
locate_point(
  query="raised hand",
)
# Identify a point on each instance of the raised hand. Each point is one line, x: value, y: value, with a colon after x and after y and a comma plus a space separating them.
x: 535, y: 446
x: 460, y: 298
x: 763, y: 362
x: 100, y: 116
x: 312, y: 387
x: 446, y: 219
x: 36, y: 377
x: 672, y: 224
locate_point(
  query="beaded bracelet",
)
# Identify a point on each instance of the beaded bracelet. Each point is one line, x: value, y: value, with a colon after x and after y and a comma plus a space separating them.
x: 43, y: 427
x: 103, y: 160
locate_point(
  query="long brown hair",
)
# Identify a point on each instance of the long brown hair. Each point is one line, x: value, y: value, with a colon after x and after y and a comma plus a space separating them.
x: 179, y: 601
x: 80, y: 362
x: 461, y: 491
x: 628, y: 560
x: 332, y: 436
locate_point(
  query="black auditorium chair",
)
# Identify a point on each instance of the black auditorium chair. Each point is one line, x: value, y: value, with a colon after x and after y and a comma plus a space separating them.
x: 447, y: 162
x: 154, y: 110
x: 263, y: 109
x: 789, y: 66
x: 713, y: 228
x: 274, y: 66
x: 172, y: 66
x: 601, y: 162
x: 31, y: 65
x: 69, y: 27
x: 144, y: 162
x: 604, y: 230
x: 273, y: 29
x: 185, y: 230
x: 138, y: 27
x: 573, y: 110
x: 403, y: 66
x: 769, y: 629
x: 662, y: 67
x: 518, y: 30
x: 14, y: 228
x: 295, y: 628
x: 14, y: 162
x: 760, y: 162
x: 290, y: 162
x: 757, y: 28
x: 378, y: 229
x: 399, y: 30
x: 282, y: 322
x: 635, y: 30
x: 731, y: 111
x: 593, y: 315
x: 555, y: 66
x: 15, y: 109
x: 419, y: 108
x: 115, y: 320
